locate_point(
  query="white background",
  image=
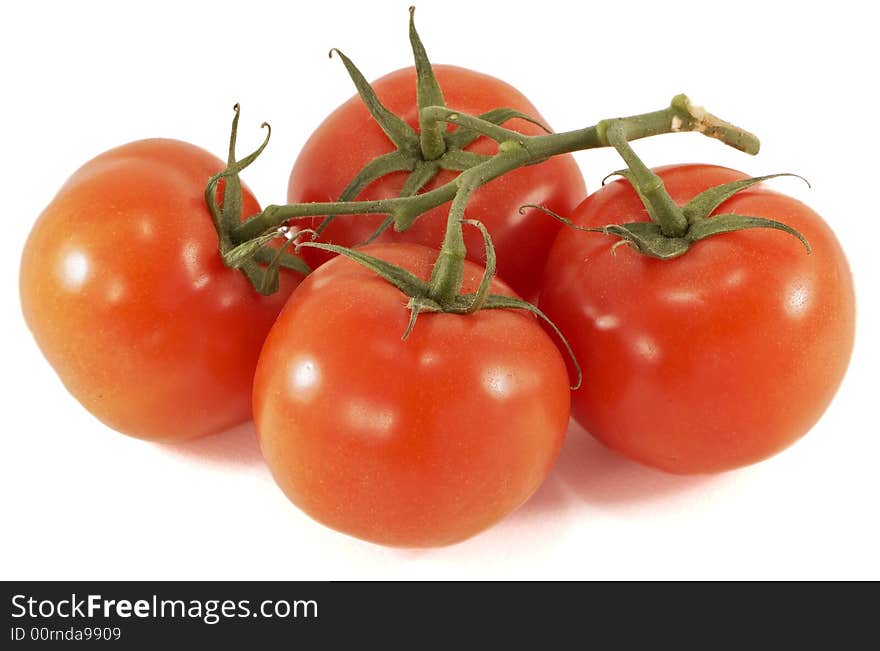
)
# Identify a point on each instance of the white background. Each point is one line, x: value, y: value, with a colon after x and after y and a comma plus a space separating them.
x: 81, y: 501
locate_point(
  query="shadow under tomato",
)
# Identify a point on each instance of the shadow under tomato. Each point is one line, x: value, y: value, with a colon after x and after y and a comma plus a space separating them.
x: 235, y: 446
x: 586, y: 474
x: 587, y: 471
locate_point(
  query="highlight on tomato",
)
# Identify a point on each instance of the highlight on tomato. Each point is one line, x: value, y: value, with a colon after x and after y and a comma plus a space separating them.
x: 125, y: 291
x: 413, y: 443
x: 720, y: 357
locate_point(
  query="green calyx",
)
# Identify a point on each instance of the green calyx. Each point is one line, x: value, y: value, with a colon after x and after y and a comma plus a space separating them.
x: 424, y: 153
x: 420, y: 296
x: 648, y: 237
x: 673, y: 228
x: 259, y: 262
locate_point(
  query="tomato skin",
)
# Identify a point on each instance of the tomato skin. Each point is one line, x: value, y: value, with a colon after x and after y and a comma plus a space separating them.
x: 714, y: 360
x: 349, y: 138
x: 126, y: 295
x: 418, y: 443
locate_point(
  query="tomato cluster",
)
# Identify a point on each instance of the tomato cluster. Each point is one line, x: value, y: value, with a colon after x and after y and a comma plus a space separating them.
x: 714, y: 359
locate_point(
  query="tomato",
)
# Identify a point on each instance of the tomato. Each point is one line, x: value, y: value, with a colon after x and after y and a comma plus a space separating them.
x: 350, y: 138
x: 714, y: 360
x: 421, y: 442
x: 125, y: 292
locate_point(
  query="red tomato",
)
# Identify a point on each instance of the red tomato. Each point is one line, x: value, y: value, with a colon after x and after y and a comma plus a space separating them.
x: 714, y: 360
x: 421, y: 442
x: 125, y: 292
x: 349, y: 138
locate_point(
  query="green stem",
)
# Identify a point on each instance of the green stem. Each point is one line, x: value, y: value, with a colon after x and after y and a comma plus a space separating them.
x: 663, y: 210
x: 274, y: 216
x: 695, y: 118
x: 448, y: 271
x: 515, y: 150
